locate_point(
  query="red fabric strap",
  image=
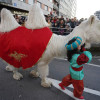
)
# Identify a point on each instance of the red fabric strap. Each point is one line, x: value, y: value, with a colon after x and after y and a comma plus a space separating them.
x: 77, y: 69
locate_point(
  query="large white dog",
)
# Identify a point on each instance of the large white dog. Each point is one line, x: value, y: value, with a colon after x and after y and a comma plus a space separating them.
x: 88, y: 30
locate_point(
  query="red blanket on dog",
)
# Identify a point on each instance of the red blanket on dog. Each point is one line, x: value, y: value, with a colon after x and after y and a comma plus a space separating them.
x: 23, y: 47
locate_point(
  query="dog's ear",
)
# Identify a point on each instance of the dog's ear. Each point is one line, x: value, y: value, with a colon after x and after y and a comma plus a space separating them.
x: 91, y: 19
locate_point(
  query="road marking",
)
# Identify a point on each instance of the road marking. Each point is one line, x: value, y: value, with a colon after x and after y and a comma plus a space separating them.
x: 89, y: 91
x: 99, y: 59
x: 66, y: 91
x: 96, y: 57
x: 61, y: 58
x: 93, y: 65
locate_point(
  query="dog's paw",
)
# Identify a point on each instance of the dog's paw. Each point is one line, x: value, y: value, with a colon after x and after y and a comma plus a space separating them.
x: 9, y: 68
x: 46, y: 83
x: 17, y: 76
x: 34, y: 74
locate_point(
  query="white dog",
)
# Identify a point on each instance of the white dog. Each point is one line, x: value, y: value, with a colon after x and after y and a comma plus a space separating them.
x: 88, y: 30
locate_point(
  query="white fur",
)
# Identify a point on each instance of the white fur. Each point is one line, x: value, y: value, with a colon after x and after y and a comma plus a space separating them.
x: 36, y: 19
x: 88, y: 30
x: 8, y: 22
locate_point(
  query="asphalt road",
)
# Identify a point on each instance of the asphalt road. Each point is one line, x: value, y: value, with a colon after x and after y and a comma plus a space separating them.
x: 30, y: 89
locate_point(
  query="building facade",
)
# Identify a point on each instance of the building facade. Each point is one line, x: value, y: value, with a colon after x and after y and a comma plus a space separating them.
x: 45, y: 5
x: 55, y: 11
x: 97, y: 13
x: 21, y: 7
x: 67, y: 8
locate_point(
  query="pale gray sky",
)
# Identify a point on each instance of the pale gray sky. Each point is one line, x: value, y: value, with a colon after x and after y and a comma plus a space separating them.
x: 85, y: 8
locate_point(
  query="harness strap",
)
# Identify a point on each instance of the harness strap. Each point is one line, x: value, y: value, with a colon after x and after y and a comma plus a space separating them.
x: 77, y: 69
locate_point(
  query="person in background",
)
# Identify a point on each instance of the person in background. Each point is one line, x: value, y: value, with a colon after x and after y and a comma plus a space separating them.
x: 72, y: 23
x: 62, y: 18
x: 55, y: 19
x: 55, y: 29
x: 52, y: 23
x: 61, y: 27
x: 77, y: 56
x: 67, y: 21
x: 68, y: 29
x: 49, y: 23
x: 57, y: 22
x: 16, y: 17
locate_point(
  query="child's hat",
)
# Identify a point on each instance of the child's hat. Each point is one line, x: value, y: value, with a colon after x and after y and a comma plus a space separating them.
x: 75, y: 44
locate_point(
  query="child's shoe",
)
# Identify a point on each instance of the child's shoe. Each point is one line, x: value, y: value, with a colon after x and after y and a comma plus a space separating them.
x: 62, y: 87
x: 80, y: 98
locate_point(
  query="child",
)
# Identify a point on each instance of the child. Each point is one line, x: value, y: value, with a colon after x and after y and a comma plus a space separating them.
x: 77, y: 56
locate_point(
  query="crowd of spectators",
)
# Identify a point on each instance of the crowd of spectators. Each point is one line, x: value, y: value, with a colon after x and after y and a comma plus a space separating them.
x: 62, y: 26
x: 58, y: 25
x: 20, y: 19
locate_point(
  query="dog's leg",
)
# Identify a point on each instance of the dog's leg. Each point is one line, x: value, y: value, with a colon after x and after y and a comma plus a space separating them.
x: 43, y: 70
x: 16, y: 74
x: 34, y: 73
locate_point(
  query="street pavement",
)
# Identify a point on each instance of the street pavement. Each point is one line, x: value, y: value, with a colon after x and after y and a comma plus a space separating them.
x: 29, y: 88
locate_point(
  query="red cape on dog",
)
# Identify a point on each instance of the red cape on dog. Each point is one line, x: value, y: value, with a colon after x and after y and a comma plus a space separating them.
x: 23, y: 47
